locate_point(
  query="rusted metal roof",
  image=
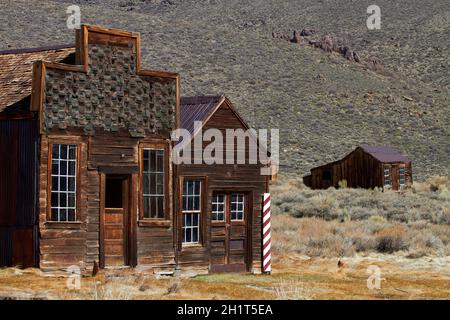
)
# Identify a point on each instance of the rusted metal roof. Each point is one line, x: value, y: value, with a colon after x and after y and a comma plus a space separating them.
x: 198, y: 108
x: 16, y: 67
x: 385, y: 154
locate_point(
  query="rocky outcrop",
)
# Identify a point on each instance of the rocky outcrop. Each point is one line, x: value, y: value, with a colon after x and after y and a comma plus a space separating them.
x: 328, y: 44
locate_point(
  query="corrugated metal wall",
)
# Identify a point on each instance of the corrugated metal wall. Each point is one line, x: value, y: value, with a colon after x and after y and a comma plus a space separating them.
x: 18, y: 192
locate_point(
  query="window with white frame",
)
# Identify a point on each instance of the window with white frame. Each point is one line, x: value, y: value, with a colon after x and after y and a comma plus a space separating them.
x: 387, y: 176
x: 402, y: 176
x: 218, y: 207
x: 153, y: 196
x: 64, y: 182
x: 237, y: 206
x: 191, y: 199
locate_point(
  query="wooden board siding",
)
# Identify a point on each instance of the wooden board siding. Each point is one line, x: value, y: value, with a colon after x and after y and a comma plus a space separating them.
x: 359, y: 169
x: 64, y: 244
x: 222, y: 177
x: 155, y: 237
x: 111, y: 150
x: 78, y: 243
x: 18, y: 189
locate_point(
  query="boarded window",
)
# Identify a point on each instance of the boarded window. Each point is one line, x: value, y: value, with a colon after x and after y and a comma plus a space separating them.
x: 401, y: 176
x: 63, y: 184
x: 326, y: 175
x: 237, y: 206
x: 387, y: 176
x: 191, y: 199
x: 153, y: 196
x: 218, y: 207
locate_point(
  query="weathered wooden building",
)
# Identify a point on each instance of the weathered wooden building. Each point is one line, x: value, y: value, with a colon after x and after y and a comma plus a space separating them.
x: 19, y: 155
x: 229, y: 237
x: 365, y: 167
x: 86, y: 174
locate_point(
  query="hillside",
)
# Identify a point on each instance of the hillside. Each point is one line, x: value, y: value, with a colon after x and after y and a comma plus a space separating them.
x: 323, y: 104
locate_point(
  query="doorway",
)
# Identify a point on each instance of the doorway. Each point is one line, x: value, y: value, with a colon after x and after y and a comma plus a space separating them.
x: 115, y: 222
x: 230, y: 217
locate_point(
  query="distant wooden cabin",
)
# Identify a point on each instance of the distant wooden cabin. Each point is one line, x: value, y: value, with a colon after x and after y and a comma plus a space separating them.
x: 365, y: 167
x: 86, y: 174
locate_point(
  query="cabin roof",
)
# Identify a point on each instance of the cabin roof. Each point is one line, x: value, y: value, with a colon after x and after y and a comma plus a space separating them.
x: 385, y: 154
x: 199, y: 108
x: 16, y: 70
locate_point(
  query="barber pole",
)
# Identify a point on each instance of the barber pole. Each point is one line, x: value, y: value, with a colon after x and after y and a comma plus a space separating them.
x: 267, y: 236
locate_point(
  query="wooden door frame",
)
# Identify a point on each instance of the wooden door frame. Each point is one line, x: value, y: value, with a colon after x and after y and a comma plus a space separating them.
x: 178, y: 219
x: 130, y: 221
x: 248, y: 214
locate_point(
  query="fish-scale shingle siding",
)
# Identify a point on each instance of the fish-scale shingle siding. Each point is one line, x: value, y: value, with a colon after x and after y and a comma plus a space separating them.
x: 110, y: 96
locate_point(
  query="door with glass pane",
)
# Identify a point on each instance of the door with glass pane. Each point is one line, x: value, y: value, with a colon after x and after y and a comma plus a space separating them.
x: 229, y: 212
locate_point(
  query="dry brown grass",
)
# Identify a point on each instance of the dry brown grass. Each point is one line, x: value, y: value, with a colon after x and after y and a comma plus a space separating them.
x: 407, y: 235
x: 343, y: 222
x: 296, y: 278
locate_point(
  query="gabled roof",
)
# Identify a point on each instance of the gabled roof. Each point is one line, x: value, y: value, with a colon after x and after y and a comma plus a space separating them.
x: 385, y: 154
x: 199, y: 108
x: 16, y: 68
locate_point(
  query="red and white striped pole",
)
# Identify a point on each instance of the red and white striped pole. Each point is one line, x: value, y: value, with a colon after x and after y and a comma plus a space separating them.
x: 267, y: 236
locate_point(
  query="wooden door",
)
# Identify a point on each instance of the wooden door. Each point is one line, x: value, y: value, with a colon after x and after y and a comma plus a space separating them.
x: 115, y: 214
x: 229, y: 217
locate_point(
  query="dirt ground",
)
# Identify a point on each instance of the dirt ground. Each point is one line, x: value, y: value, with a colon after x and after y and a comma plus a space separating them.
x: 300, y: 278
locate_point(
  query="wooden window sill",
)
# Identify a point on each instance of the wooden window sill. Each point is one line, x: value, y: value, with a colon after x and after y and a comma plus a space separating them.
x: 191, y: 245
x: 154, y: 223
x: 63, y: 224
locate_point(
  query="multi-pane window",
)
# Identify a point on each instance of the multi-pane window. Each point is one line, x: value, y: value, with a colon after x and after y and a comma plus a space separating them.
x: 63, y: 184
x: 237, y: 206
x: 153, y: 183
x: 191, y: 199
x: 387, y: 177
x: 402, y: 178
x: 218, y: 207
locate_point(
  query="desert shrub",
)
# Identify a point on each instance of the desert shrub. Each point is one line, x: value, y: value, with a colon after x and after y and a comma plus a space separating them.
x: 360, y: 204
x: 367, y: 201
x: 438, y: 182
x: 364, y: 244
x: 418, y: 224
x: 377, y: 218
x: 330, y: 246
x: 362, y: 213
x: 391, y: 239
x: 342, y: 184
x: 425, y: 240
x: 341, y: 222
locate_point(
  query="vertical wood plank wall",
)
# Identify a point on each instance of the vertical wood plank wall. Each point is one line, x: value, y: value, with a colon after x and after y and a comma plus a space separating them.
x: 18, y: 189
x: 359, y: 169
x: 242, y: 177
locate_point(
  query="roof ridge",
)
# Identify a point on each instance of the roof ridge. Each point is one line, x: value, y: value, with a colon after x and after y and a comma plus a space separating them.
x: 37, y: 49
x: 200, y: 99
